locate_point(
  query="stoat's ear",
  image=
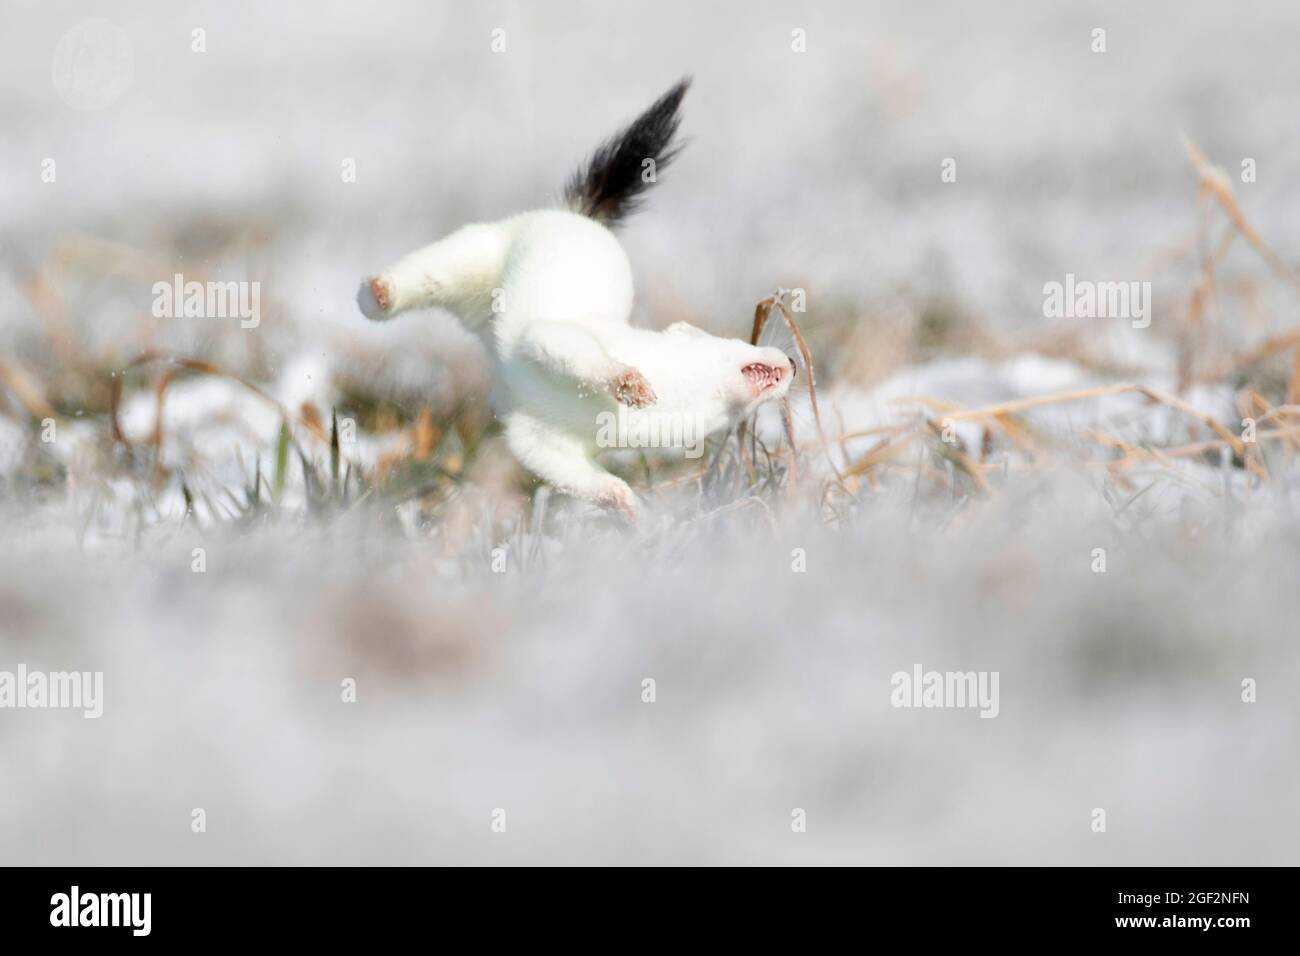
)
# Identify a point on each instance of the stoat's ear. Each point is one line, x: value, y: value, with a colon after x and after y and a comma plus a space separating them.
x: 685, y: 328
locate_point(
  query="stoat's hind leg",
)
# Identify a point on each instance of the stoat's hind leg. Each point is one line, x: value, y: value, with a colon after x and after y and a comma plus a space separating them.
x: 375, y: 299
x: 564, y: 462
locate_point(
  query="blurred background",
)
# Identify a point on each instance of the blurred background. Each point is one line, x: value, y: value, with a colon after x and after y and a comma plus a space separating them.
x: 302, y: 150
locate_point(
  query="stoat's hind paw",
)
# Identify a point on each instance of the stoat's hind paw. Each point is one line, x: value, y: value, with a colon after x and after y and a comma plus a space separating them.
x: 620, y: 500
x: 631, y: 388
x: 375, y: 298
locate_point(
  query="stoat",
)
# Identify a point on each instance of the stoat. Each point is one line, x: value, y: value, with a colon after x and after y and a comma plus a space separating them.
x: 552, y: 291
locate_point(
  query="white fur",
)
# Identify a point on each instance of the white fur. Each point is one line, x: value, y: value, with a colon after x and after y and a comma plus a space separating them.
x: 557, y: 290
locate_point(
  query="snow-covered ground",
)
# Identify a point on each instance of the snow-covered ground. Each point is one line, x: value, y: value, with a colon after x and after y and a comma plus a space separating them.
x: 500, y: 652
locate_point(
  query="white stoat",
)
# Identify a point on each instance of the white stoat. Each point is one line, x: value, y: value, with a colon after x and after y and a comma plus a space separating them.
x: 556, y: 287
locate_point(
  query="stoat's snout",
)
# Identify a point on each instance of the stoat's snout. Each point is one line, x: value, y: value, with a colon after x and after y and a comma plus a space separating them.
x: 766, y: 379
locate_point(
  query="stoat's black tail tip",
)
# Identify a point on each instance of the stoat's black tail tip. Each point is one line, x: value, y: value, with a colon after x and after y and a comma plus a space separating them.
x: 610, y: 186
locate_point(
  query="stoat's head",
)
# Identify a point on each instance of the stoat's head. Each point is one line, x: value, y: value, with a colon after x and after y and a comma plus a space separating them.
x: 731, y: 372
x: 702, y: 385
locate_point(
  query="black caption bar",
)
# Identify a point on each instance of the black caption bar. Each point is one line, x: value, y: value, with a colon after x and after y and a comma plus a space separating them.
x: 135, y: 905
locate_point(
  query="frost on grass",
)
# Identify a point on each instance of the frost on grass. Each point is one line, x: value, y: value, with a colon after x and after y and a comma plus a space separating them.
x: 521, y: 689
x: 949, y: 516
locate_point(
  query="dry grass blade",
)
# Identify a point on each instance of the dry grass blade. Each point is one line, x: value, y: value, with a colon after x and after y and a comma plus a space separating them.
x: 762, y: 312
x: 887, y: 451
x: 1016, y: 431
x: 58, y: 326
x: 1214, y: 182
x: 866, y: 433
x: 428, y: 436
x: 1293, y: 390
x: 311, y: 419
x: 204, y: 367
x: 1208, y: 420
x: 25, y: 389
x: 114, y: 412
x: 1024, y: 404
x: 160, y: 394
x: 1270, y: 347
x: 1264, y: 411
x: 955, y: 454
x: 788, y: 423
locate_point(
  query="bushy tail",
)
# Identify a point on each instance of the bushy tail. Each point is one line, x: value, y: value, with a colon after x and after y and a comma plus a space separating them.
x: 609, y: 187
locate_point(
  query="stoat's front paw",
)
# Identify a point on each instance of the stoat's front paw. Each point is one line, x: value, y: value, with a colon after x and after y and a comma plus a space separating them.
x: 630, y: 387
x: 375, y: 298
